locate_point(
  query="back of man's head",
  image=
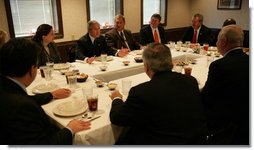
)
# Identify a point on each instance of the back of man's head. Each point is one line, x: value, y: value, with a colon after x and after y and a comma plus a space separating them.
x: 234, y: 35
x: 17, y: 56
x: 158, y: 57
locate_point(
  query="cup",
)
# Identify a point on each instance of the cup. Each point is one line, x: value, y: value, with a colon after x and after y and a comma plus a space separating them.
x: 68, y: 73
x: 87, y: 90
x: 187, y: 70
x: 178, y: 68
x: 48, y: 73
x: 72, y: 81
x: 179, y: 43
x: 126, y: 85
x: 92, y: 101
x: 50, y: 64
x: 41, y: 71
x: 205, y: 46
x: 104, y: 58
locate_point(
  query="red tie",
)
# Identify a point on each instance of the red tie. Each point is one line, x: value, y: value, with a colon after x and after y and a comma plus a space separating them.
x: 156, y: 37
x: 194, y: 39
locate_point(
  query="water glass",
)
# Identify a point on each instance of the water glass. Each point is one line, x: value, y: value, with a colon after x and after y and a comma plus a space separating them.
x: 126, y: 85
x: 104, y: 58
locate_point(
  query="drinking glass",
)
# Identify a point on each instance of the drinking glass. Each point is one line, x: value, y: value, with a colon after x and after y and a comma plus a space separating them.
x: 126, y: 85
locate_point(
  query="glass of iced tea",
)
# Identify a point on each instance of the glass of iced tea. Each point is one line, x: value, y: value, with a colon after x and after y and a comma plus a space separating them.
x: 92, y: 101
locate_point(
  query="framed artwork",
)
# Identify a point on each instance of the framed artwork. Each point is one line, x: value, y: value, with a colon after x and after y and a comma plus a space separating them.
x: 229, y: 4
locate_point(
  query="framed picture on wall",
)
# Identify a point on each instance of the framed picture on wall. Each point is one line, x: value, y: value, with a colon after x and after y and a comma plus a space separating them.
x: 229, y: 4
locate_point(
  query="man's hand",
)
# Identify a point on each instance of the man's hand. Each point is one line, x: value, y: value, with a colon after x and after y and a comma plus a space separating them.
x: 123, y: 52
x: 115, y: 94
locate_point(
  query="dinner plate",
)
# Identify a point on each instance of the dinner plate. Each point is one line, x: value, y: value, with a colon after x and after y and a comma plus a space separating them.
x: 61, y: 66
x: 71, y: 108
x: 109, y: 58
x: 43, y: 88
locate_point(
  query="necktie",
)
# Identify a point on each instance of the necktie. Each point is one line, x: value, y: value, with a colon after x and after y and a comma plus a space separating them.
x: 156, y: 37
x: 124, y: 39
x: 121, y: 33
x: 194, y: 39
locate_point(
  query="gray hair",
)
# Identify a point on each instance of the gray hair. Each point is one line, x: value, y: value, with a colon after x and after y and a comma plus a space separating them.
x: 120, y: 16
x: 158, y: 57
x: 91, y: 23
x: 233, y: 33
x: 200, y: 17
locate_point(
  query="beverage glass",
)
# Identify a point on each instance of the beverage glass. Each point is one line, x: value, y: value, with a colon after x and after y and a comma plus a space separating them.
x: 126, y: 85
x: 205, y: 46
x: 87, y: 90
x: 47, y: 73
x: 50, y: 64
x: 72, y: 81
x: 178, y: 68
x: 103, y: 58
x: 92, y: 101
x: 179, y: 43
x: 41, y: 71
x: 187, y: 70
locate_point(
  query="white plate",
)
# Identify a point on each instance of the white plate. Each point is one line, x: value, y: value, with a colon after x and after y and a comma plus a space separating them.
x: 43, y: 88
x: 109, y: 58
x: 71, y: 108
x: 61, y: 66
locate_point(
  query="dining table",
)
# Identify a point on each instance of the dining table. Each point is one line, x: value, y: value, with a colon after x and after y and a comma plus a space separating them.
x: 102, y: 131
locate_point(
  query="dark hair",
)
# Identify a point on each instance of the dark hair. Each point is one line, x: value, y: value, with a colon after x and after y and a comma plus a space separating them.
x: 229, y: 21
x: 156, y: 16
x: 42, y: 30
x: 17, y: 56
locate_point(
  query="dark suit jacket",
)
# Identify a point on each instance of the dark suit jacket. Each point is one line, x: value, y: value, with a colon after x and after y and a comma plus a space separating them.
x: 115, y: 41
x: 45, y: 57
x: 165, y: 110
x: 226, y: 98
x: 85, y: 47
x: 146, y: 35
x: 23, y: 121
x: 204, y: 35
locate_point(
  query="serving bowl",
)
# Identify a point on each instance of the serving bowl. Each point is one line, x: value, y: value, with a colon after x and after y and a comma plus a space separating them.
x: 126, y: 62
x: 138, y: 59
x: 112, y: 86
x: 82, y: 77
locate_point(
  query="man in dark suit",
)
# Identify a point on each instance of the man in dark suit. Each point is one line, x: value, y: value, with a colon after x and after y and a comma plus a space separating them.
x: 226, y: 92
x: 165, y: 110
x: 153, y: 32
x: 23, y: 121
x: 92, y: 44
x: 121, y: 39
x: 197, y: 33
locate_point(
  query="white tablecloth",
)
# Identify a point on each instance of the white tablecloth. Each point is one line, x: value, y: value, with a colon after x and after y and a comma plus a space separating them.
x: 102, y: 132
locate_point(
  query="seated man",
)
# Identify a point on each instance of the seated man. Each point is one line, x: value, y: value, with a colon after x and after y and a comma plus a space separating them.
x: 153, y: 32
x: 165, y: 110
x: 226, y: 91
x: 197, y: 33
x: 92, y: 44
x: 23, y: 120
x: 121, y: 39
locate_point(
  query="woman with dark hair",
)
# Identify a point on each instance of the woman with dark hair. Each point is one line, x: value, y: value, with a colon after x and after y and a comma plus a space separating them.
x: 44, y: 36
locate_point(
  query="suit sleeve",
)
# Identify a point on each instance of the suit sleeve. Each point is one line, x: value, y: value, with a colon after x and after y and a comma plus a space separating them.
x: 79, y: 50
x: 129, y: 113
x: 42, y: 99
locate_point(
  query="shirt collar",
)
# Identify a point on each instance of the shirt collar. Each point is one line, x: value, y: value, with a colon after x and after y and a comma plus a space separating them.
x: 236, y: 48
x: 92, y: 38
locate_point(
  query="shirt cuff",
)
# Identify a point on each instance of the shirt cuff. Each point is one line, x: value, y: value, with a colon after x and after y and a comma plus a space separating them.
x: 117, y: 98
x: 116, y: 54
